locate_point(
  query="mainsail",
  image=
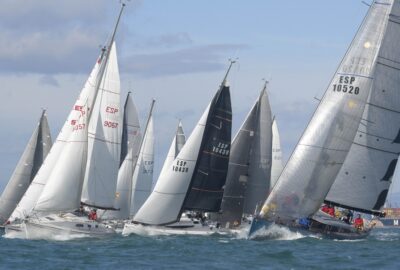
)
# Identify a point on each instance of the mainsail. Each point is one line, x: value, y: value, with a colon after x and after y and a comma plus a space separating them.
x: 131, y: 141
x: 249, y: 170
x: 209, y: 138
x: 177, y: 143
x: 277, y: 156
x: 365, y: 177
x: 258, y: 184
x: 32, y: 158
x: 104, y: 140
x: 323, y: 147
x: 142, y: 180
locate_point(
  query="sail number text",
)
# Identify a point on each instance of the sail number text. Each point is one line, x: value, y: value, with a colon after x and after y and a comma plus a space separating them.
x: 110, y: 124
x: 345, y: 85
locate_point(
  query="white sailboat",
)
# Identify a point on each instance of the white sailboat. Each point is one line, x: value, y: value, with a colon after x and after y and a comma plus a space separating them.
x: 196, y: 177
x: 93, y: 146
x: 130, y: 145
x: 31, y: 160
x: 329, y: 138
x: 142, y: 179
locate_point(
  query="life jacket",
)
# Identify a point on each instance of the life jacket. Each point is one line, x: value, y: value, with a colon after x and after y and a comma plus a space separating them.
x: 331, y: 211
x: 358, y: 222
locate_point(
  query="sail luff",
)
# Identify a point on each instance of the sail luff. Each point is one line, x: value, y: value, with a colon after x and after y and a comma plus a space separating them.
x: 323, y: 147
x: 277, y: 157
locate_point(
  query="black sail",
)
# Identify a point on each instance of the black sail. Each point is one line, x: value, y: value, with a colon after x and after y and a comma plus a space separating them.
x: 206, y: 187
x: 233, y: 199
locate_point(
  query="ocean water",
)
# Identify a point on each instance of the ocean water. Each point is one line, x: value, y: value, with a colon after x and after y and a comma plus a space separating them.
x: 284, y: 250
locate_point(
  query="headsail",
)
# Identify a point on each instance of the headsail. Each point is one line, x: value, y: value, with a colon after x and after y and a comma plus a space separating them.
x: 365, y: 177
x: 32, y: 158
x: 165, y: 203
x: 62, y: 191
x: 132, y: 141
x: 321, y: 151
x: 142, y: 180
x: 31, y: 196
x: 277, y: 156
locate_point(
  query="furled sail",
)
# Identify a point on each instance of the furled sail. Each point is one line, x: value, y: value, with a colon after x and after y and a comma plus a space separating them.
x: 277, y: 156
x: 165, y: 203
x: 323, y: 147
x: 32, y: 158
x: 62, y: 191
x: 142, y: 180
x: 365, y: 177
x: 132, y: 141
x: 177, y: 143
x: 104, y: 140
x: 259, y: 170
x: 31, y: 196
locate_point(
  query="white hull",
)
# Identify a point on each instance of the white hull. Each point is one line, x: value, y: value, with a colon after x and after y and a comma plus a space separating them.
x: 140, y: 229
x: 58, y: 228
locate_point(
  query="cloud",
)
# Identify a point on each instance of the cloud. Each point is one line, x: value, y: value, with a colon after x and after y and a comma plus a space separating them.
x: 189, y: 60
x: 169, y: 41
x: 49, y: 80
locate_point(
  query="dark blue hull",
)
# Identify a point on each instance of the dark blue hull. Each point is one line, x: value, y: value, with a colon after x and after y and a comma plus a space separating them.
x: 322, y: 226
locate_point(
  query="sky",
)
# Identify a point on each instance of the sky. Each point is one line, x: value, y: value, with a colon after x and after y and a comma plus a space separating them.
x: 174, y: 51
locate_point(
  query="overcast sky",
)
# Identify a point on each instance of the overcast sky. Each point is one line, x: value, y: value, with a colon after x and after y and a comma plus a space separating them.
x: 174, y: 51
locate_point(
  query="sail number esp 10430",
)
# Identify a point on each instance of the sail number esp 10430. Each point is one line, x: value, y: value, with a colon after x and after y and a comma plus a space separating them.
x: 345, y: 85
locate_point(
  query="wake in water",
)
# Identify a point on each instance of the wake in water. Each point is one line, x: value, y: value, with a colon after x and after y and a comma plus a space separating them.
x: 386, y: 234
x: 50, y: 237
x: 276, y: 232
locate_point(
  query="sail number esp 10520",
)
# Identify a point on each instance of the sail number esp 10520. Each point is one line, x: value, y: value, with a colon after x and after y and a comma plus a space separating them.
x: 345, y: 85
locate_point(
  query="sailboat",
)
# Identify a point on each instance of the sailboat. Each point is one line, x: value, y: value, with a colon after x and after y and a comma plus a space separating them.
x: 32, y: 158
x: 84, y: 168
x: 130, y: 145
x: 364, y: 88
x: 195, y: 179
x: 249, y: 173
x: 142, y: 180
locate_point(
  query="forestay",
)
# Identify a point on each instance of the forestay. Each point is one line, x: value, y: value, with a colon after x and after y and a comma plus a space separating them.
x: 322, y: 149
x: 104, y: 140
x: 32, y: 158
x: 366, y: 175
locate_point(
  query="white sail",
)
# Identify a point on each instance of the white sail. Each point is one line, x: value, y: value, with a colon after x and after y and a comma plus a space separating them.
x: 104, y: 140
x: 165, y: 202
x: 124, y: 184
x: 31, y: 196
x: 177, y: 143
x: 277, y: 162
x: 321, y: 151
x: 31, y: 160
x: 62, y: 191
x: 365, y: 177
x: 143, y: 175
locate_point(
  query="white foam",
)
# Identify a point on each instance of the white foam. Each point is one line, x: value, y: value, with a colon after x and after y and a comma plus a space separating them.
x: 277, y: 232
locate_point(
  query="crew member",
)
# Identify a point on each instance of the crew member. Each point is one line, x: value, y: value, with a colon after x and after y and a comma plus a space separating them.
x: 359, y: 223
